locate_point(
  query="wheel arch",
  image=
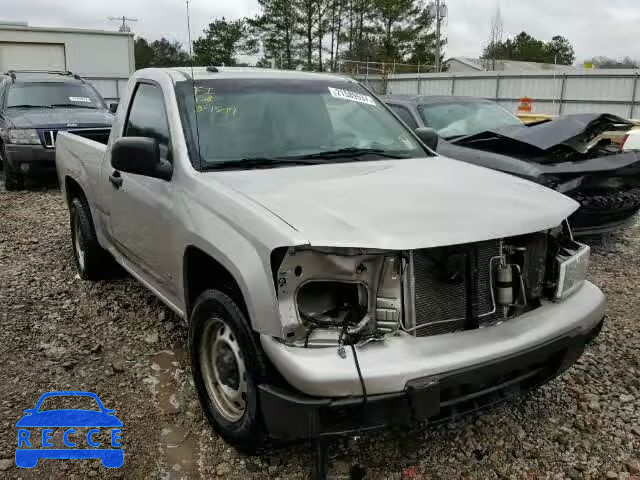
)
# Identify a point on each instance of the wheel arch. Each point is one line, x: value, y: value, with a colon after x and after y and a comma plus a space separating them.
x: 200, y: 272
x: 72, y: 189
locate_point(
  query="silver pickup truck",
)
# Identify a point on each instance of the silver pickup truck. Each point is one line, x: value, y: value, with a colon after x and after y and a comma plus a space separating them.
x: 336, y: 274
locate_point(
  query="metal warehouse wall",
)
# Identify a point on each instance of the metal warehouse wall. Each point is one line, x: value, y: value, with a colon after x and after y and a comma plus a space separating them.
x: 106, y: 59
x: 607, y: 91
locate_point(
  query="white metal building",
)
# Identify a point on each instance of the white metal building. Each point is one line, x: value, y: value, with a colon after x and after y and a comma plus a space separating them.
x: 471, y: 65
x: 104, y: 58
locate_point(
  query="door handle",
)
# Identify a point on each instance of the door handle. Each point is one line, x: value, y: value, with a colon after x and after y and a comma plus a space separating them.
x: 115, y: 179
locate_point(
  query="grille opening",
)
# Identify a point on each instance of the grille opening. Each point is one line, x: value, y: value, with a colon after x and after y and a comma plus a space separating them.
x: 440, y: 290
x: 442, y: 298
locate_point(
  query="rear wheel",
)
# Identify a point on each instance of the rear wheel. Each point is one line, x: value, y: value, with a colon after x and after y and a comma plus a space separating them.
x: 227, y: 365
x: 92, y: 261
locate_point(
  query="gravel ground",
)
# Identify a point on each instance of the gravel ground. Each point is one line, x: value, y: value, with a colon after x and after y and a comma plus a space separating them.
x: 59, y: 332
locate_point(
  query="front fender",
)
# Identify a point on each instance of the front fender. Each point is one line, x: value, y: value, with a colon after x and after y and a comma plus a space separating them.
x: 254, y: 278
x: 239, y: 236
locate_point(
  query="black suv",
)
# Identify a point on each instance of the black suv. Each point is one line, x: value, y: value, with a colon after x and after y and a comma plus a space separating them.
x: 34, y: 106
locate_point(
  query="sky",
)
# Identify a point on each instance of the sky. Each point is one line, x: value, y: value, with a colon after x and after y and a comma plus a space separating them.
x: 594, y: 27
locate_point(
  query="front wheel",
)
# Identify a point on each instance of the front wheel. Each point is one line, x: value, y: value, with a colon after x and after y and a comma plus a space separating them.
x: 227, y: 365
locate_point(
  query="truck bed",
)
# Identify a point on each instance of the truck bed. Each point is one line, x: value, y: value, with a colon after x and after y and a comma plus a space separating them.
x: 79, y: 157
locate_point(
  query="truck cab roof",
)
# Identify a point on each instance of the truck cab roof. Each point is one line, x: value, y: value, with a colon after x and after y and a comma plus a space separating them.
x: 206, y: 73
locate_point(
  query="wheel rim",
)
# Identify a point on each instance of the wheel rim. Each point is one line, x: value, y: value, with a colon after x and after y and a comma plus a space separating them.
x: 223, y: 370
x: 77, y: 243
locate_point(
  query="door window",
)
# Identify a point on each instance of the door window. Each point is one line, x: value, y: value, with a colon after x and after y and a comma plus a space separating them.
x: 148, y: 118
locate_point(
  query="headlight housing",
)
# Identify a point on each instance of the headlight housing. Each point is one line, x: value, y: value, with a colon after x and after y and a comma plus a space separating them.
x: 24, y: 136
x: 572, y: 262
x: 324, y: 291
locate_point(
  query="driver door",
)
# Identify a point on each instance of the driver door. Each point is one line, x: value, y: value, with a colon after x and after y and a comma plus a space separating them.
x: 141, y: 207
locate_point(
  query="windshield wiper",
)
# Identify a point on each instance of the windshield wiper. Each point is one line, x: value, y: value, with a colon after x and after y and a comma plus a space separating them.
x: 343, y: 154
x: 351, y: 152
x: 453, y: 138
x: 71, y: 105
x: 28, y: 106
x: 257, y: 162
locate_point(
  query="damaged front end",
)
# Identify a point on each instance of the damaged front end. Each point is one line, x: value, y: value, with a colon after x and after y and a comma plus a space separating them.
x: 373, y: 338
x: 335, y: 297
x: 577, y: 155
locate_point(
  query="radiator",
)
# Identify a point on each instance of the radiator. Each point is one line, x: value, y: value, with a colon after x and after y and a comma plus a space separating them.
x: 439, y: 286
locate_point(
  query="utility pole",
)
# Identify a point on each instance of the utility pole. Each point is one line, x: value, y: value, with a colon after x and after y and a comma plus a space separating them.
x: 437, y: 36
x: 124, y: 27
x: 439, y: 12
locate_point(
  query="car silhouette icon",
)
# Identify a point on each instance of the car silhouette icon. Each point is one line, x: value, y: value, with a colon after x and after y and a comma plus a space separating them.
x: 68, y: 418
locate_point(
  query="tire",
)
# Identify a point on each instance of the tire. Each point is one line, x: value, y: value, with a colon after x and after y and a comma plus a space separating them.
x: 223, y: 346
x: 92, y: 261
x: 12, y: 180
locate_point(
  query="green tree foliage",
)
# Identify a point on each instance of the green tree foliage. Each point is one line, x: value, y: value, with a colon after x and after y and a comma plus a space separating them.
x: 223, y: 41
x: 524, y: 47
x: 159, y: 53
x: 306, y: 12
x: 422, y: 49
x: 561, y: 50
x: 143, y: 53
x: 306, y: 32
x: 396, y: 27
x: 310, y: 34
x: 278, y: 27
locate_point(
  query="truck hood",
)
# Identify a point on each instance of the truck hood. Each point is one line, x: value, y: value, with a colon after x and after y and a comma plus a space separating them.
x: 58, y: 117
x: 401, y: 204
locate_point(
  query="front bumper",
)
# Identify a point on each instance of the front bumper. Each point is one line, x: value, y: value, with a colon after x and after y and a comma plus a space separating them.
x: 31, y: 159
x: 437, y: 398
x: 388, y: 366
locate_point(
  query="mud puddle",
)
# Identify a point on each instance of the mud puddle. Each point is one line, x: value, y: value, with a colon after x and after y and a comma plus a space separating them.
x: 179, y: 445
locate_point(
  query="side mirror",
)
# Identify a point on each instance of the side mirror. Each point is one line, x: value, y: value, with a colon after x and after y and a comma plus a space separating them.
x: 113, y: 107
x: 30, y: 411
x: 428, y: 136
x: 139, y: 155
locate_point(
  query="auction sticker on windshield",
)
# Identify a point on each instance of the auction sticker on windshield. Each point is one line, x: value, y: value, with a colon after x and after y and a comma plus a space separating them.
x: 80, y: 99
x: 349, y: 95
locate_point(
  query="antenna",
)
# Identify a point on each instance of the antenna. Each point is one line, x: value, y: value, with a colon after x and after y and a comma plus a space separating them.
x: 193, y: 85
x: 124, y: 27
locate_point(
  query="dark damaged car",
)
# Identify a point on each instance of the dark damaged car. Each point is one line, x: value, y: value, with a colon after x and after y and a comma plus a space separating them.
x: 573, y: 154
x: 34, y: 107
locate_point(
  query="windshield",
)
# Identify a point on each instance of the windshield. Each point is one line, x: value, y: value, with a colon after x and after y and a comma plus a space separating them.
x: 72, y: 95
x: 245, y: 120
x: 457, y: 119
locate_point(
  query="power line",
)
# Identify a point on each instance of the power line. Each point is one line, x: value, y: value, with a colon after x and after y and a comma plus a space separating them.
x: 124, y: 27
